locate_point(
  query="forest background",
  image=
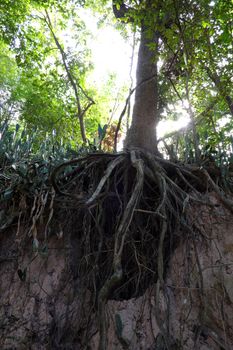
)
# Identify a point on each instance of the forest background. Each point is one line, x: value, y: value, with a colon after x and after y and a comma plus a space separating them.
x: 50, y: 99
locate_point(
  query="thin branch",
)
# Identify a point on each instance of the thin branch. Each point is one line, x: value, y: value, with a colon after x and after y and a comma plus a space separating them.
x: 70, y: 77
x: 222, y: 90
x: 121, y: 10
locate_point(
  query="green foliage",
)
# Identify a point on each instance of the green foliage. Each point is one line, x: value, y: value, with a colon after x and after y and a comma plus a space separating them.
x: 196, y: 57
x: 26, y: 166
x: 37, y: 89
x: 8, y: 70
x: 194, y: 52
x: 12, y: 13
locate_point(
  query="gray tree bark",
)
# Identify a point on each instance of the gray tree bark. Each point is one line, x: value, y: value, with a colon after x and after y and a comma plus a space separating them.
x: 142, y: 132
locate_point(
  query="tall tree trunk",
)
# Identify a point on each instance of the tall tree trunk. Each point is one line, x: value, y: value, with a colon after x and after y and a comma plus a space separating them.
x: 142, y: 132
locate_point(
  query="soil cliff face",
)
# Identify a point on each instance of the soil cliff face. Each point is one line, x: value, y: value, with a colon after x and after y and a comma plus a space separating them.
x: 43, y: 304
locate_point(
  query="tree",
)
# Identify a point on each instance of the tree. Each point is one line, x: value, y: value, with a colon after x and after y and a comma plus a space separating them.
x: 176, y: 34
x: 124, y: 214
x: 142, y: 132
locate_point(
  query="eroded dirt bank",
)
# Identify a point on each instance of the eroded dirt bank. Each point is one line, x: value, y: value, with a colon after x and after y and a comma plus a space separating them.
x: 43, y: 304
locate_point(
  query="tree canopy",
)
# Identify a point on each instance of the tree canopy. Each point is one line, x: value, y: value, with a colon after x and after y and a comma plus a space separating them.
x: 186, y: 51
x: 45, y: 75
x: 188, y: 48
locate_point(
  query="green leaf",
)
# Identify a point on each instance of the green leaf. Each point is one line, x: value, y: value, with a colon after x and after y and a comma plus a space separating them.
x: 205, y: 24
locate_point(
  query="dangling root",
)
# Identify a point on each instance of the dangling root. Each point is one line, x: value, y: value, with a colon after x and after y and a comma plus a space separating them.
x: 136, y: 206
x: 120, y: 237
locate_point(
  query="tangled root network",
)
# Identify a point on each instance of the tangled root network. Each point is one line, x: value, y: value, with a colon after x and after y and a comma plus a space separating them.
x: 128, y: 211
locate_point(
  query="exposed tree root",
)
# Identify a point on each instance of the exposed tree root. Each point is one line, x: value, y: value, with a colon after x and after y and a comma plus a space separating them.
x: 130, y: 212
x: 125, y: 215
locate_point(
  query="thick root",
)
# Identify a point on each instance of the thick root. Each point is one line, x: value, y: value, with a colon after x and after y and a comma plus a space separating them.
x: 137, y: 209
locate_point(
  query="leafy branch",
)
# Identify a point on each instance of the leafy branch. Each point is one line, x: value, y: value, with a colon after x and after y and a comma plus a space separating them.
x: 75, y: 86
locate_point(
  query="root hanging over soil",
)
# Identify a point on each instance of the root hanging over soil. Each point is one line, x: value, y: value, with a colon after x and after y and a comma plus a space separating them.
x: 128, y: 212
